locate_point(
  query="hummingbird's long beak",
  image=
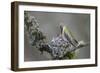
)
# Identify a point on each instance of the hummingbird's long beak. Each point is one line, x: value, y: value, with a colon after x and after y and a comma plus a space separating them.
x: 82, y: 44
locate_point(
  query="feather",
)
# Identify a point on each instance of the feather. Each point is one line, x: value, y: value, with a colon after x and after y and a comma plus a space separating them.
x: 67, y: 35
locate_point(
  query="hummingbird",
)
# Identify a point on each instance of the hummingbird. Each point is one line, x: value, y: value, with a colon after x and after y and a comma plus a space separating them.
x: 67, y: 36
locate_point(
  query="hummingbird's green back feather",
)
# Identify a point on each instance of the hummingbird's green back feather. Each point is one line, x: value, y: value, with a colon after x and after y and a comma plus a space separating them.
x: 67, y: 31
x: 68, y: 35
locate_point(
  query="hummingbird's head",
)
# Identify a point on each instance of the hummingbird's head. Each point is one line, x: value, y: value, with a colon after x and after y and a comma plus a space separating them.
x: 81, y: 43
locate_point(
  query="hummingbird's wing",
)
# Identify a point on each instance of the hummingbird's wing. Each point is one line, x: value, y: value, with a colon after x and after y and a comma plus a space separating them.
x: 66, y: 33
